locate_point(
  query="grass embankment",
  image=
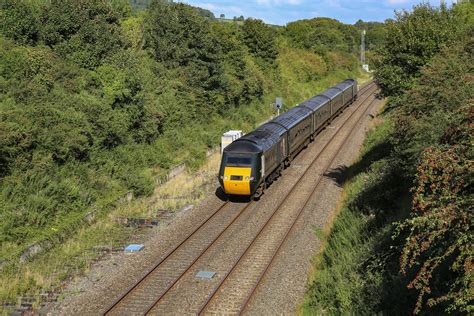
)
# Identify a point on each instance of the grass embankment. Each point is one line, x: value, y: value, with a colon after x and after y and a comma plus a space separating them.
x: 350, y: 271
x: 73, y: 256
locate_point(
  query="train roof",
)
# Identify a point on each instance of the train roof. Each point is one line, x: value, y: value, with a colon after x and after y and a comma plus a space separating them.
x: 265, y: 136
x: 315, y: 102
x: 261, y: 139
x: 274, y: 128
x: 346, y: 84
x: 332, y: 92
x: 243, y: 146
x: 339, y: 88
x: 292, y: 117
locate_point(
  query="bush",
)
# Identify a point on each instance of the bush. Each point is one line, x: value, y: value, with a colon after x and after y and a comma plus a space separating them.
x: 19, y: 21
x: 260, y: 39
x: 83, y: 31
x: 439, y: 243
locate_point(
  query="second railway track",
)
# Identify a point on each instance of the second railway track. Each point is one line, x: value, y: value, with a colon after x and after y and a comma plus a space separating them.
x: 145, y: 296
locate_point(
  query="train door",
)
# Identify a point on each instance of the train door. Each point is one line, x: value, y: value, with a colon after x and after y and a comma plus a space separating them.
x: 317, y: 115
x: 283, y: 153
x: 286, y: 144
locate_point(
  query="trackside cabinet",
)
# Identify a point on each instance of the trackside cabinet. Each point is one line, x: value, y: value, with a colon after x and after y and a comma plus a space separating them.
x: 229, y: 137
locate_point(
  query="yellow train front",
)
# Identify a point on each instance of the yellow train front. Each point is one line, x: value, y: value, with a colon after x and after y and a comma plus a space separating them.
x: 240, y: 171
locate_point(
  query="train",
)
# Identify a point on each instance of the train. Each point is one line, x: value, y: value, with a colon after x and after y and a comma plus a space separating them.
x: 251, y: 163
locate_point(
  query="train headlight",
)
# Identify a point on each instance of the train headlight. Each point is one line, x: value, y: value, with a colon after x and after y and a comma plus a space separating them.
x: 247, y: 178
x: 226, y: 177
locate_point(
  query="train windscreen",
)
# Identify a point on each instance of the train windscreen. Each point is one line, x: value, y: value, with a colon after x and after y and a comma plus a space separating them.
x: 239, y: 161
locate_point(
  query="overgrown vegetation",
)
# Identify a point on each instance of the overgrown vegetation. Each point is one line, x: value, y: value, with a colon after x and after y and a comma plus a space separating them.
x: 98, y: 99
x: 403, y: 241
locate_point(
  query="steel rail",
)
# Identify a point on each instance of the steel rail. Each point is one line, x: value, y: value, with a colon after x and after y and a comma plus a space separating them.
x: 169, y: 287
x: 308, y: 199
x: 219, y: 285
x: 161, y: 261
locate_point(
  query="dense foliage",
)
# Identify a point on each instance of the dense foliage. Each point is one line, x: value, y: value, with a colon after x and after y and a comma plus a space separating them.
x: 412, y: 40
x: 324, y: 34
x: 435, y: 135
x: 98, y: 99
x: 404, y: 238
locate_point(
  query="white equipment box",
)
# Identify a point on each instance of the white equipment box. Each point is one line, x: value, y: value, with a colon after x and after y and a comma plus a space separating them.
x: 229, y: 137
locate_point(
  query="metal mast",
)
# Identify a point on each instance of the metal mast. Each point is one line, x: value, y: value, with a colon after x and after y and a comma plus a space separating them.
x: 362, y: 48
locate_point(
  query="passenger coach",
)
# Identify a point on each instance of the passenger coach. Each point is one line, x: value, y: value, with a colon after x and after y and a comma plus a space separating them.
x: 252, y: 162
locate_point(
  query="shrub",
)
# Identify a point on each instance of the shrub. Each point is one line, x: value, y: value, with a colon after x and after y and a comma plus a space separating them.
x: 438, y: 252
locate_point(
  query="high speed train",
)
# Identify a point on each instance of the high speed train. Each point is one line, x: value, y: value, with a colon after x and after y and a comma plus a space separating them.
x: 254, y: 161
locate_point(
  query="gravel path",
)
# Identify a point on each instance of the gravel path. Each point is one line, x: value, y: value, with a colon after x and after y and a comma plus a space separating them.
x: 283, y: 286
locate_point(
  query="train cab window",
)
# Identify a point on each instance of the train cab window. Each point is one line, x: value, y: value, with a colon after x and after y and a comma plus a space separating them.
x: 239, y: 161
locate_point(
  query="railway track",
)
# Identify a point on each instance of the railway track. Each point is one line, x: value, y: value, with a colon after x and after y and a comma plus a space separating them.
x: 147, y: 293
x: 168, y: 270
x: 235, y: 290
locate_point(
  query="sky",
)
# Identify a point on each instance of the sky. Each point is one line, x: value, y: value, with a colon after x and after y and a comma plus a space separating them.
x: 283, y: 11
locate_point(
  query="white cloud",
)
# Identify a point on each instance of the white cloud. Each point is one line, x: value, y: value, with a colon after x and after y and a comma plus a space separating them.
x: 397, y: 1
x: 284, y: 11
x: 279, y: 2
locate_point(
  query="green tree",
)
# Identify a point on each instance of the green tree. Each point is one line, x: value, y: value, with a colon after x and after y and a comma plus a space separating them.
x: 180, y: 37
x: 433, y: 144
x: 19, y: 21
x: 323, y: 35
x: 84, y: 31
x: 242, y: 84
x: 123, y: 8
x: 260, y: 39
x: 413, y: 38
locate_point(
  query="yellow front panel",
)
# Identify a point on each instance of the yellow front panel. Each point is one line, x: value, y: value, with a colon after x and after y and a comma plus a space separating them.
x: 237, y: 187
